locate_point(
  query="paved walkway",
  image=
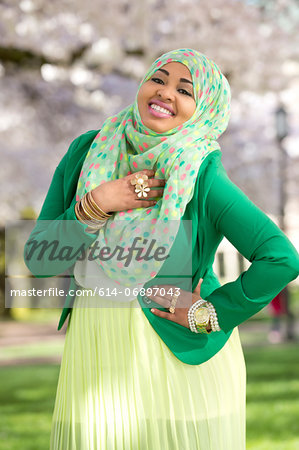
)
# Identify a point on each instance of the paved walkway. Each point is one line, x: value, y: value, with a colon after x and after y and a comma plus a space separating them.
x: 22, y: 333
x: 15, y: 334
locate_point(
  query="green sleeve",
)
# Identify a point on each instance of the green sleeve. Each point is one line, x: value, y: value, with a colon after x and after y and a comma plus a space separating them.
x: 274, y: 260
x: 58, y: 237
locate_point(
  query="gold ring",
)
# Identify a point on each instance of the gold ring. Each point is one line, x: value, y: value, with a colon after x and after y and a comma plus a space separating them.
x: 173, y: 303
x: 141, y: 185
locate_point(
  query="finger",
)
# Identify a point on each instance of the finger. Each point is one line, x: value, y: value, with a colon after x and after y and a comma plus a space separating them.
x: 161, y: 290
x: 156, y: 182
x: 143, y: 203
x: 156, y: 193
x: 148, y: 172
x: 163, y: 314
x: 198, y: 287
x: 161, y: 300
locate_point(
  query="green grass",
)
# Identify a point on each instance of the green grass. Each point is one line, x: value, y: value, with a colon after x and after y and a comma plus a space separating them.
x: 34, y: 350
x: 273, y: 397
x: 27, y: 396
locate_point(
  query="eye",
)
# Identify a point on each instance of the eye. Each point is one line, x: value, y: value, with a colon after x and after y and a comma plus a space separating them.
x: 157, y: 80
x: 184, y: 92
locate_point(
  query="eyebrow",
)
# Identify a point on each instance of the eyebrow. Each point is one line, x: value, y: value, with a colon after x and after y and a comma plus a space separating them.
x: 184, y: 80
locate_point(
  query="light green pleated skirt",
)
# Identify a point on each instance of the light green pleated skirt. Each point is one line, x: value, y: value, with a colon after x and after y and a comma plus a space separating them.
x: 121, y: 388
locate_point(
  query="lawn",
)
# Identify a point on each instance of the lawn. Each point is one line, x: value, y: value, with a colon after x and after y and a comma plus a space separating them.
x: 273, y: 397
x: 27, y: 396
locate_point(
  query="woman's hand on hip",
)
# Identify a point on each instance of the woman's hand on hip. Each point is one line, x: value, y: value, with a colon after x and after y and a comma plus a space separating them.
x: 185, y: 300
x: 120, y: 195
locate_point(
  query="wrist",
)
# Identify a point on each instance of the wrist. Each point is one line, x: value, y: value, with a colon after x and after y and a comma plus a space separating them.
x: 89, y: 213
x: 99, y: 197
x: 202, y: 317
x: 195, y: 297
x: 192, y: 320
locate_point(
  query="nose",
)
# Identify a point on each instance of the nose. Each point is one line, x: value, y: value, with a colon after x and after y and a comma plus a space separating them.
x: 165, y: 93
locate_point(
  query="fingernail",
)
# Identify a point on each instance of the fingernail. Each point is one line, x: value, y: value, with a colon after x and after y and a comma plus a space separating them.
x: 152, y: 310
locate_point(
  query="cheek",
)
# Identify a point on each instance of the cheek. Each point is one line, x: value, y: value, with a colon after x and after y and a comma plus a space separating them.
x: 187, y: 110
x: 143, y: 96
x: 191, y: 109
x: 139, y: 99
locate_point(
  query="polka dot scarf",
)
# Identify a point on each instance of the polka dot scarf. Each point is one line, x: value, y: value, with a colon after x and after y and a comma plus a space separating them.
x: 124, y: 146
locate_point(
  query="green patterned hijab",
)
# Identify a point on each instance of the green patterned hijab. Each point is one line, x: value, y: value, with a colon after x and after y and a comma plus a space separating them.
x: 124, y: 146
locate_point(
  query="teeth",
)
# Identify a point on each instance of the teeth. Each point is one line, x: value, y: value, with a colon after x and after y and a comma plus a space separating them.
x: 159, y: 108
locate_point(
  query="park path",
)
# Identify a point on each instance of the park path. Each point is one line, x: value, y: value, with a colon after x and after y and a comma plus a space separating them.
x: 23, y: 334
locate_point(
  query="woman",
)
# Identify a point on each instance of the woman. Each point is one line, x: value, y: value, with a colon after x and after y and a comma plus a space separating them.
x: 171, y: 374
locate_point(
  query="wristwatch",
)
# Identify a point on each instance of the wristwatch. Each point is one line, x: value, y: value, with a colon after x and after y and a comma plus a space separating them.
x: 202, y: 319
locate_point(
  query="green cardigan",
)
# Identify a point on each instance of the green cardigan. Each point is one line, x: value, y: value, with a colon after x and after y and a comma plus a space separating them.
x: 218, y: 208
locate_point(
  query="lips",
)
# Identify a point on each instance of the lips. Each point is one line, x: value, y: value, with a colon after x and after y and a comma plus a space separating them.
x: 162, y: 105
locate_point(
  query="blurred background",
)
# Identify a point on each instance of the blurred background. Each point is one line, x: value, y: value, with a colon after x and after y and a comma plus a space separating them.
x: 64, y: 67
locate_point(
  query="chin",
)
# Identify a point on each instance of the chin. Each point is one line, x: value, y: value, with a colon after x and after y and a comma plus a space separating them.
x: 158, y: 128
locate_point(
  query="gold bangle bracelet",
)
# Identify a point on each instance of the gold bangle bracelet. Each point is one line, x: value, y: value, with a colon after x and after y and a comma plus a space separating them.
x: 89, y: 206
x: 91, y: 213
x: 92, y: 225
x: 88, y: 212
x: 96, y: 206
x: 76, y: 211
x: 83, y: 212
x: 82, y: 215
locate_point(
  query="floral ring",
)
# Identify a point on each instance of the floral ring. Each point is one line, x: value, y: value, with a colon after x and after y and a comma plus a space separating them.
x: 141, y: 185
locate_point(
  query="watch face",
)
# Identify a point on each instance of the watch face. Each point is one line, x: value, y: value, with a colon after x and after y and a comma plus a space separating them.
x: 202, y: 316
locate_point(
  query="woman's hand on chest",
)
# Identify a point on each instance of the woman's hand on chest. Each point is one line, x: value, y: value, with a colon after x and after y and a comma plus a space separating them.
x: 120, y: 195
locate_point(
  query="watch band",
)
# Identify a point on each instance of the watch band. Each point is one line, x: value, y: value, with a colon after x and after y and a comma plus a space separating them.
x: 213, y: 317
x: 198, y: 327
x: 191, y: 311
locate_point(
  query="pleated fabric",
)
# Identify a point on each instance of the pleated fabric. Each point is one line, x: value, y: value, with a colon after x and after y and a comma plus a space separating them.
x: 121, y: 388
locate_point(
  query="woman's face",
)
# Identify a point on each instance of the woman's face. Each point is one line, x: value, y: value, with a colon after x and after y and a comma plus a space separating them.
x: 166, y: 100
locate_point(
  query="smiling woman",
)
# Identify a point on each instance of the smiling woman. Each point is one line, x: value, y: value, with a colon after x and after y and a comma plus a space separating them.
x: 165, y: 371
x: 167, y: 95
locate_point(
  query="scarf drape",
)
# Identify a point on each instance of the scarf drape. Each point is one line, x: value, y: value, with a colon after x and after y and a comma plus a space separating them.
x: 124, y: 145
